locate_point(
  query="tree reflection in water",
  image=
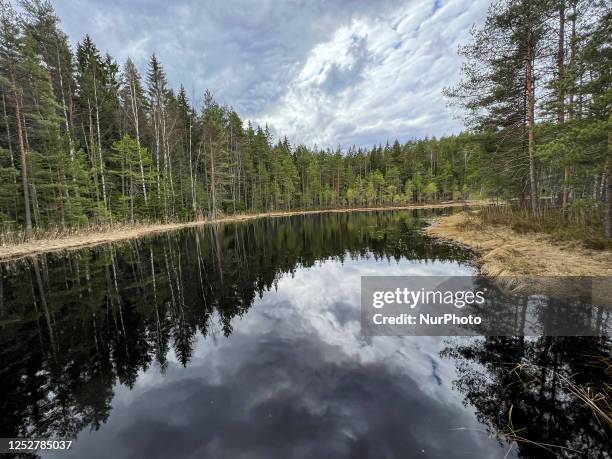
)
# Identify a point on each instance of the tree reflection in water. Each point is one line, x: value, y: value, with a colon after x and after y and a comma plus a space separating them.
x: 533, y: 389
x: 527, y: 389
x: 73, y: 326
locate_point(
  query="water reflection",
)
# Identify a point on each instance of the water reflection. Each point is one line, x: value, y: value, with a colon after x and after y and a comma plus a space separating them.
x: 129, y: 347
x: 530, y: 389
x: 571, y: 313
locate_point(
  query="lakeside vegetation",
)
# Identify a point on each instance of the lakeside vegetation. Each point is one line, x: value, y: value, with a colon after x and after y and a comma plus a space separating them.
x: 16, y: 245
x: 90, y: 141
x: 528, y: 255
x: 579, y: 223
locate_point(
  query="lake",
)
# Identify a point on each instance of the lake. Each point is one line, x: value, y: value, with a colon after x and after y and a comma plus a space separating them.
x: 244, y: 341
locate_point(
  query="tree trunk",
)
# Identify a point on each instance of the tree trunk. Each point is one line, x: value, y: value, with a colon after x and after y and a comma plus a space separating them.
x: 104, y: 196
x: 608, y: 189
x: 567, y: 173
x: 561, y: 92
x: 561, y: 64
x: 166, y: 155
x: 535, y: 207
x: 213, y: 184
x: 131, y: 197
x: 157, y: 159
x: 8, y: 131
x: 64, y: 110
x: 22, y: 157
x: 192, y: 172
x: 137, y: 129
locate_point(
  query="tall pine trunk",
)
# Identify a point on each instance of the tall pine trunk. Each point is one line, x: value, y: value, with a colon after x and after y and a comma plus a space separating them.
x: 8, y: 131
x: 535, y: 207
x: 104, y: 195
x: 561, y: 92
x: 22, y: 157
x: 567, y: 173
x: 213, y: 181
x: 135, y: 111
x: 608, y: 189
x: 192, y: 172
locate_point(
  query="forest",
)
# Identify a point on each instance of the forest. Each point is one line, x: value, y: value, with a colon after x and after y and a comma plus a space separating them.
x: 86, y: 140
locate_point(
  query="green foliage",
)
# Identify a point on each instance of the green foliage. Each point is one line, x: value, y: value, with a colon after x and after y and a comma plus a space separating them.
x: 431, y: 190
x: 102, y: 145
x: 544, y: 118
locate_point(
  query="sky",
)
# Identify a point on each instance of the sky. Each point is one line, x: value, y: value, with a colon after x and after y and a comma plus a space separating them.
x: 325, y: 72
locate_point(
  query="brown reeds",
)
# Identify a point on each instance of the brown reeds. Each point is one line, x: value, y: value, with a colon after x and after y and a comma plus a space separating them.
x: 504, y: 252
x: 16, y: 244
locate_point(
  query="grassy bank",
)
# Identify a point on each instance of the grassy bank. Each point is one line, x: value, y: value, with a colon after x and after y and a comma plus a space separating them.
x: 522, y: 258
x: 579, y: 223
x: 17, y: 245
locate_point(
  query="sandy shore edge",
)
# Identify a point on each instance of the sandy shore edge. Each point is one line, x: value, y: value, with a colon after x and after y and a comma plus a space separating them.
x: 93, y: 238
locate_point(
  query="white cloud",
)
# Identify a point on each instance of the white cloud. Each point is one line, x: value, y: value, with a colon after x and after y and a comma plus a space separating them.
x: 331, y: 72
x: 387, y: 74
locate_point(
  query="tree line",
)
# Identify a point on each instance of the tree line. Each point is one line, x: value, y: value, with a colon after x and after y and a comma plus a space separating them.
x: 88, y: 140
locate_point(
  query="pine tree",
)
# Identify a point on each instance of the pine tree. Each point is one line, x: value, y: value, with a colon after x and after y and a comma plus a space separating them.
x: 158, y: 93
x: 14, y: 75
x: 126, y: 162
x: 216, y: 150
x: 134, y: 104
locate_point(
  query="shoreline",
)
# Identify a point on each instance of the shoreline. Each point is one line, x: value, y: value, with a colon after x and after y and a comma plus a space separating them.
x: 530, y: 262
x: 12, y: 252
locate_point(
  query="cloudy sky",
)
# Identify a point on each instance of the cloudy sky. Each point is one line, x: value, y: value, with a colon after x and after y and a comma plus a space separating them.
x: 331, y: 72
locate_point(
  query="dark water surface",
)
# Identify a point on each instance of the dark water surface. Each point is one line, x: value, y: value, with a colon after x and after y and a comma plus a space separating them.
x: 244, y: 341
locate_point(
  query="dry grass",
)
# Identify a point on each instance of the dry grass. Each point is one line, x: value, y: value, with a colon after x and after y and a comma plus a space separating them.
x: 579, y: 223
x: 16, y: 245
x: 598, y: 400
x: 522, y: 258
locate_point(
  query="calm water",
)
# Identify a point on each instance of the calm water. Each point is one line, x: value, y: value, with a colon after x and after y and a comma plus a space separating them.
x: 244, y: 341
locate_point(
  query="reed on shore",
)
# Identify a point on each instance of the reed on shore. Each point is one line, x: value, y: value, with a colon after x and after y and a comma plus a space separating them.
x: 18, y: 244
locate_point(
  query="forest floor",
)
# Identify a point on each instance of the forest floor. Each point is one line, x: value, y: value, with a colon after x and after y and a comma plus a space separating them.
x: 524, y: 260
x: 88, y: 238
